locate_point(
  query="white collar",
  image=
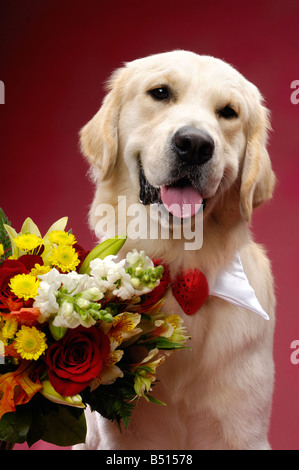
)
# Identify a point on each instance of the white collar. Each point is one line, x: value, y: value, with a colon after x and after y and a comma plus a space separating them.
x: 233, y: 286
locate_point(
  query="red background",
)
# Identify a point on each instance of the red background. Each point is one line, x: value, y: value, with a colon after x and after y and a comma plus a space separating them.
x: 54, y: 58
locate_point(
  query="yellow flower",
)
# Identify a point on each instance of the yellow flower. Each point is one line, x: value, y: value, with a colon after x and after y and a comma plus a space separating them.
x: 171, y: 327
x: 60, y: 237
x: 174, y: 320
x: 38, y: 270
x: 9, y: 329
x: 178, y: 335
x: 123, y: 328
x: 110, y: 372
x: 24, y: 286
x: 28, y: 241
x: 64, y: 257
x: 2, y: 323
x: 145, y: 373
x: 1, y: 250
x: 30, y: 343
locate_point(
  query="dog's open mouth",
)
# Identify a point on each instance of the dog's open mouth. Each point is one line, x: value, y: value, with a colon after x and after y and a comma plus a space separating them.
x: 181, y: 198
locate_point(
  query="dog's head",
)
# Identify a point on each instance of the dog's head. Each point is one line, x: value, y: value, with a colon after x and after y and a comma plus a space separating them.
x: 188, y: 128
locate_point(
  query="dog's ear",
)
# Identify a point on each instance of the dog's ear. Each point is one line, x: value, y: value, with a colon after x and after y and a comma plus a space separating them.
x: 257, y: 179
x: 99, y: 137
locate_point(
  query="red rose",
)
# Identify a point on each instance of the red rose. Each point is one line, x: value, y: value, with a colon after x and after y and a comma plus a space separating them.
x: 10, y: 268
x: 81, y: 254
x: 76, y: 359
x: 30, y: 261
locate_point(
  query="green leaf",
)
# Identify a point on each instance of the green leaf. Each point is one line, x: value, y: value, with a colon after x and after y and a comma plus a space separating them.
x: 12, y: 234
x: 30, y: 227
x: 114, y: 402
x: 106, y: 248
x: 41, y: 419
x: 38, y: 426
x: 4, y: 238
x: 14, y: 427
x: 155, y: 400
x: 163, y: 343
x: 60, y: 224
x: 65, y: 427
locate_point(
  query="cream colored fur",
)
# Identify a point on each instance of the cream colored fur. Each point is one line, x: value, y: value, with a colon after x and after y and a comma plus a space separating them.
x: 218, y: 394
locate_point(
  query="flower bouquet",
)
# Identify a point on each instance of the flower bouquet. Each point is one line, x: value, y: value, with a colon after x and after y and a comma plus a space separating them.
x: 77, y: 328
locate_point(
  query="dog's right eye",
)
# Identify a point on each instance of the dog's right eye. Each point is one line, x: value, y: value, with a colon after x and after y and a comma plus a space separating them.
x: 227, y: 112
x: 160, y: 94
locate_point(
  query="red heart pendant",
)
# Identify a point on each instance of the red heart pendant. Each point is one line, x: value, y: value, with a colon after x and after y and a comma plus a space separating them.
x: 190, y: 289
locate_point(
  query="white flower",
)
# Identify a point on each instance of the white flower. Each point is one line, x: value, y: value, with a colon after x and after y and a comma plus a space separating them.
x: 124, y: 292
x: 93, y: 293
x: 144, y: 289
x: 112, y: 276
x: 67, y: 317
x: 106, y: 271
x: 66, y: 309
x: 83, y: 303
x: 138, y: 259
x: 140, y: 264
x: 45, y: 301
x: 75, y: 283
x: 65, y: 314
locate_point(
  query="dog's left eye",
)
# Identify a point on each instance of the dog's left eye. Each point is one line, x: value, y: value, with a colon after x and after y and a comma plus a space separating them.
x: 161, y: 93
x: 227, y: 112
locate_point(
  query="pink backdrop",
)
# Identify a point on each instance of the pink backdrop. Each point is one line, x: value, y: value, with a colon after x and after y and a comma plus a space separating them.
x: 54, y: 58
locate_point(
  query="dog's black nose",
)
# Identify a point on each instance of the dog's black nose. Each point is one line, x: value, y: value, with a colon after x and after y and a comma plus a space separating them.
x: 194, y: 146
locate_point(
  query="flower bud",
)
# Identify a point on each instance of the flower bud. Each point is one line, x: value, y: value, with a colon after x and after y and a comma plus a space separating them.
x: 93, y: 294
x: 66, y: 309
x: 50, y: 393
x: 94, y: 314
x: 83, y: 303
x: 105, y: 316
x: 138, y: 271
x: 108, y: 318
x: 151, y: 285
x: 57, y: 332
x: 159, y: 271
x: 135, y: 282
x: 145, y: 278
x: 94, y: 306
x: 83, y: 314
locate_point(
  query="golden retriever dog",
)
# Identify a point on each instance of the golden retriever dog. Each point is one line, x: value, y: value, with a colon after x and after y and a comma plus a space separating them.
x: 179, y: 128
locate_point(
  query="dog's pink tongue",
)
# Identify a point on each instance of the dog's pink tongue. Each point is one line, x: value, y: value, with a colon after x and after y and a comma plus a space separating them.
x: 181, y: 202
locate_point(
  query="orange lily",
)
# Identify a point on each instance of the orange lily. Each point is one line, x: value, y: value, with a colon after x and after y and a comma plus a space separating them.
x: 16, y: 388
x: 24, y: 316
